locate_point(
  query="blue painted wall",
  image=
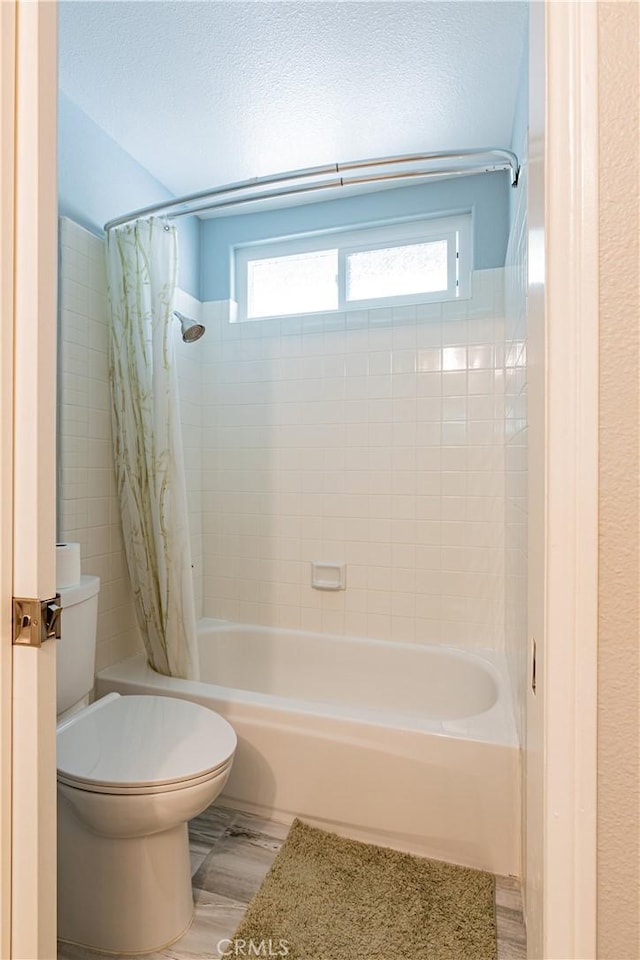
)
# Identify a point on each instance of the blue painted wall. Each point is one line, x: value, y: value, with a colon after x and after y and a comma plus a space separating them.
x: 98, y: 180
x: 487, y: 195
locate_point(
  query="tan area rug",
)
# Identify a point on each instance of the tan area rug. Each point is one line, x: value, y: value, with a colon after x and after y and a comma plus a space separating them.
x: 327, y: 898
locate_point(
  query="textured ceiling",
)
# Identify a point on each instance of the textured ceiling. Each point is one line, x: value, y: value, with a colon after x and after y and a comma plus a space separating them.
x: 203, y: 93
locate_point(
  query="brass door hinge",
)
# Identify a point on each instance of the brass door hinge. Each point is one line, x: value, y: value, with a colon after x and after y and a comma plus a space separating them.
x: 35, y: 621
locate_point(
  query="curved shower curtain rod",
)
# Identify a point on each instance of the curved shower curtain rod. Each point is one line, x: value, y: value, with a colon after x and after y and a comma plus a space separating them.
x: 488, y: 160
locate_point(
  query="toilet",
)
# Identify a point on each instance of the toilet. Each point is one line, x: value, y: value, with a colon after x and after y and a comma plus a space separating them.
x: 131, y: 772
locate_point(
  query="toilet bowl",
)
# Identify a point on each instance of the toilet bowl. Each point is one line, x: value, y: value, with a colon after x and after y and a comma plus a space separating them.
x: 131, y: 772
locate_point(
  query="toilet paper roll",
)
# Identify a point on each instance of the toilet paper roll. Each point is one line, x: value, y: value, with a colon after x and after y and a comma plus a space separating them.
x: 67, y: 565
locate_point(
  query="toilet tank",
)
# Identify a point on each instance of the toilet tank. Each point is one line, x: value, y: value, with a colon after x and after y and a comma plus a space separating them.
x: 76, y: 648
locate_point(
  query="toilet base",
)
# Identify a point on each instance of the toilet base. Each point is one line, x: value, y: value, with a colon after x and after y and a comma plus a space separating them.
x: 130, y: 895
x: 146, y: 953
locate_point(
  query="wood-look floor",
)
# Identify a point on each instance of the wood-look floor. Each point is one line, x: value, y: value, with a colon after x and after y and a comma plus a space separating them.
x: 230, y: 854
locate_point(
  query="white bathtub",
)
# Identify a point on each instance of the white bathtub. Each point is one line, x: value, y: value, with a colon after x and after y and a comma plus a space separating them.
x: 406, y: 745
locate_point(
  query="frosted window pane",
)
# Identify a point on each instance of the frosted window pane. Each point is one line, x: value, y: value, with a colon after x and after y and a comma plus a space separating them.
x: 397, y: 271
x: 302, y: 283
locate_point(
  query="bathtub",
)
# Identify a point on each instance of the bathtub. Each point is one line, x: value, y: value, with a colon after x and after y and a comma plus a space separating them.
x: 406, y: 745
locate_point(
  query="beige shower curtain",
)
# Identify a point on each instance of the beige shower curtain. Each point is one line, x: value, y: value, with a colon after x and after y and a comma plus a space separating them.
x: 142, y: 263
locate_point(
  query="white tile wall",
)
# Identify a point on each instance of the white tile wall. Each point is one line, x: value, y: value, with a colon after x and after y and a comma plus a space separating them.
x: 516, y: 639
x: 190, y: 367
x: 88, y: 509
x: 375, y: 438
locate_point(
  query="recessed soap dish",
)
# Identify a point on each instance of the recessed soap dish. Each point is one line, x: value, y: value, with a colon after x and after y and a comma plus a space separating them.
x: 328, y: 576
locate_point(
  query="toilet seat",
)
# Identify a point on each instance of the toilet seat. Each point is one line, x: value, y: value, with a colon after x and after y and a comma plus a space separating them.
x: 143, y: 745
x: 116, y: 790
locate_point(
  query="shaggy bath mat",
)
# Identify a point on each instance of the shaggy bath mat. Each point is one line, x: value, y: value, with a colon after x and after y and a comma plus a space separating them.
x: 327, y: 898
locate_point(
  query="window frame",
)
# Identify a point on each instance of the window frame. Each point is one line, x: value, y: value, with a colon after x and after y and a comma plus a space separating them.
x: 456, y: 229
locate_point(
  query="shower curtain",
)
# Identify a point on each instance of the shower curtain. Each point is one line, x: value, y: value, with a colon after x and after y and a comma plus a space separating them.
x: 142, y: 264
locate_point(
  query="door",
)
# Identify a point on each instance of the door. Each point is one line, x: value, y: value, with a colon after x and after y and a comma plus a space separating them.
x: 562, y: 355
x: 28, y: 205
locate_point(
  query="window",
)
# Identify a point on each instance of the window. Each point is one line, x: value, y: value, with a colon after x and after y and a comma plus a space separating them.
x: 410, y: 262
x: 289, y: 284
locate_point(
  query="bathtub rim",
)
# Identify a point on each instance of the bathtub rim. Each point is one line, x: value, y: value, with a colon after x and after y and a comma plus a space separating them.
x: 495, y: 725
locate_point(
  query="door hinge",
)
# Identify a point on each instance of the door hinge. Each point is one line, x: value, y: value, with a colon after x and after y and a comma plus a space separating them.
x: 35, y: 621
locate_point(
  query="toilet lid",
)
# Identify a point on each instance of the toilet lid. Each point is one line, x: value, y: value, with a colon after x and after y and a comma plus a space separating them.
x: 142, y: 742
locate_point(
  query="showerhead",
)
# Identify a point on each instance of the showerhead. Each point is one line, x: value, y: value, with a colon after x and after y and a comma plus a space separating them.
x: 191, y: 329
